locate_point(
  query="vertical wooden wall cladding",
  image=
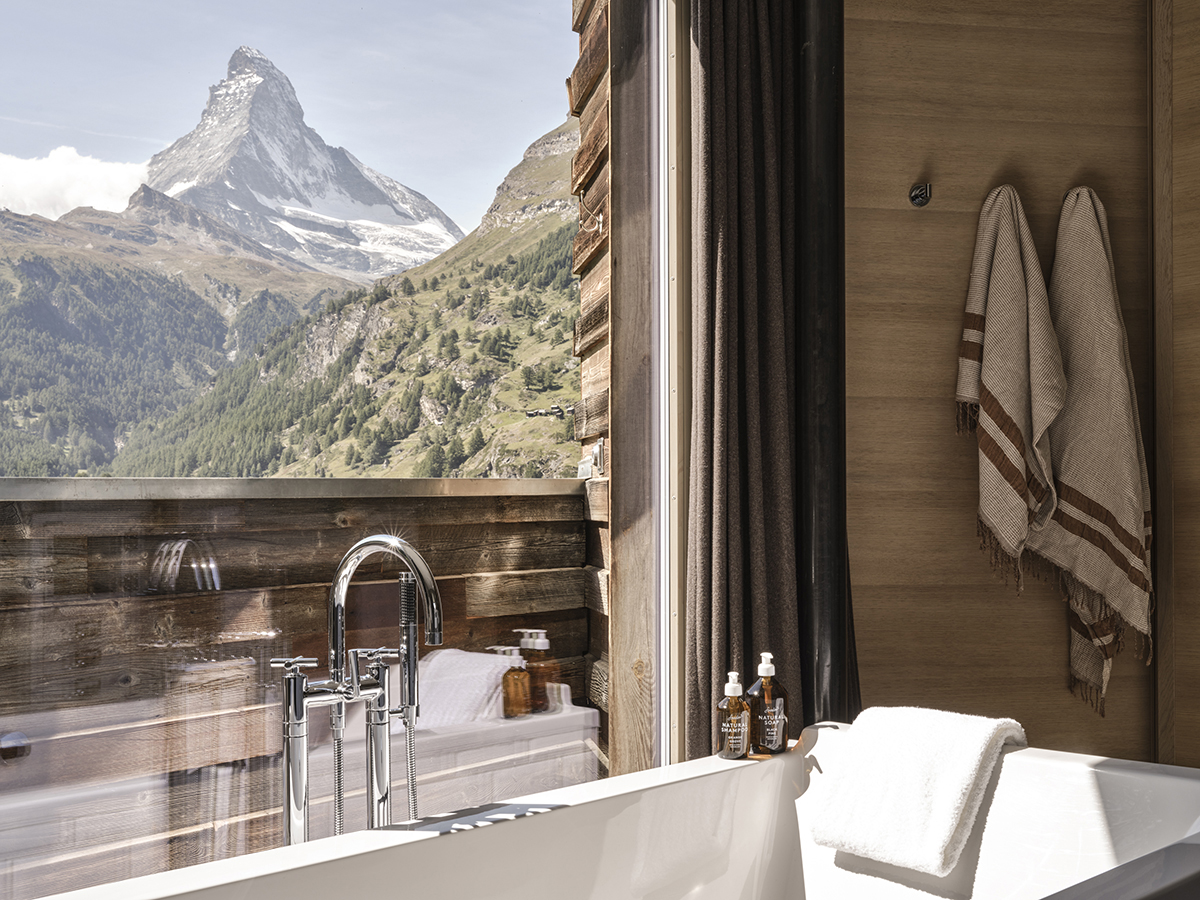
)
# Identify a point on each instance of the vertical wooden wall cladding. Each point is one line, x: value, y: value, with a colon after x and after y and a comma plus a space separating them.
x: 1177, y: 230
x: 115, y: 677
x: 967, y: 97
x: 588, y: 95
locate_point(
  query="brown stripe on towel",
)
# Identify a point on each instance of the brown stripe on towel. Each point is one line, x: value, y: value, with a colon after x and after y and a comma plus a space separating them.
x: 973, y: 321
x: 1105, y: 634
x: 972, y: 350
x: 990, y: 449
x: 1094, y: 537
x: 990, y: 405
x: 1086, y: 504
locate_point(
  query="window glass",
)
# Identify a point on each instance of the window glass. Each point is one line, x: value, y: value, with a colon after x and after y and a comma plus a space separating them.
x: 250, y: 254
x: 352, y: 257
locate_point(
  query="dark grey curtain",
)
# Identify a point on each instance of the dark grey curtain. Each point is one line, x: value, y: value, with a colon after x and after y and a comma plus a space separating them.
x: 751, y: 529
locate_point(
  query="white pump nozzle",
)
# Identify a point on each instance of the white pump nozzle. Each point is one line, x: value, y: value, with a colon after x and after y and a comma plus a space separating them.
x: 526, y: 637
x: 733, y: 688
x: 538, y: 639
x: 766, y: 667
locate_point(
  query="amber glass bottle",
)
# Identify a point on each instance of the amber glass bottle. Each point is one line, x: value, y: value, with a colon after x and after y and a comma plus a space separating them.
x: 514, y: 686
x: 735, y: 721
x: 542, y: 669
x: 768, y: 711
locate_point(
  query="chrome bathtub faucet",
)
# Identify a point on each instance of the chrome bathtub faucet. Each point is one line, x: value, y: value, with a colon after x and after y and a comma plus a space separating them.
x: 347, y: 683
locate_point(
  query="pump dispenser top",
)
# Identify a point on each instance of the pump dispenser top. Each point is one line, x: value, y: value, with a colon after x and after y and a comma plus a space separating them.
x: 733, y: 687
x: 766, y: 667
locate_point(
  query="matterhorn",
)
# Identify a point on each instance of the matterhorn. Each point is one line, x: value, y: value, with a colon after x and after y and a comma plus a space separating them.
x: 254, y: 164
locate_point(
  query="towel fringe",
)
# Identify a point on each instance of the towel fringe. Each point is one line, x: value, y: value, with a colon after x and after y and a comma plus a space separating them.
x: 1028, y: 563
x: 1001, y: 560
x: 1087, y: 693
x: 966, y: 416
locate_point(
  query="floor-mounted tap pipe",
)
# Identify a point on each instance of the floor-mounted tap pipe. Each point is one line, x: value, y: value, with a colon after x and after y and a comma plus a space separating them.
x: 295, y: 748
x: 410, y: 701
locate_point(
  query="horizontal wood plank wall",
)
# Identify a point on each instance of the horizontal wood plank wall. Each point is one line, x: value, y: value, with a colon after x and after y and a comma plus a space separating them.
x: 114, y: 679
x: 592, y: 263
x: 968, y: 97
x: 1185, y: 322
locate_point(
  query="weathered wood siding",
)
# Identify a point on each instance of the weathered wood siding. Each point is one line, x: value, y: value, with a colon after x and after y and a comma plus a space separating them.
x: 588, y: 95
x: 113, y: 679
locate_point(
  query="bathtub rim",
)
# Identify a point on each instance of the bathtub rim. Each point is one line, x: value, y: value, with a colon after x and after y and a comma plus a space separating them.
x: 243, y: 869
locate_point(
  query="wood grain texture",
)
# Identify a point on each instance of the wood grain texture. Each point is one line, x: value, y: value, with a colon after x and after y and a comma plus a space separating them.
x: 1185, y: 348
x: 593, y: 61
x: 592, y: 325
x: 595, y: 370
x: 593, y: 146
x: 595, y: 222
x: 579, y: 13
x: 634, y: 594
x: 72, y: 518
x: 524, y: 593
x: 596, y: 589
x: 599, y: 546
x: 1161, y: 240
x: 934, y: 626
x: 596, y: 502
x: 592, y: 416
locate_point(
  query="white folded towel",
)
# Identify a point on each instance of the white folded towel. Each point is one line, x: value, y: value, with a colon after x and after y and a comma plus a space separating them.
x: 909, y: 787
x: 456, y: 687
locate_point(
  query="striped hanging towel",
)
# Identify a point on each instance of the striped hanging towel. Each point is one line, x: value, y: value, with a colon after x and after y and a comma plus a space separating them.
x: 1010, y: 381
x: 1099, y: 533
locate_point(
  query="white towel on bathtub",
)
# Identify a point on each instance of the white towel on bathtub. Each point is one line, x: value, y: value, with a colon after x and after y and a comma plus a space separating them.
x: 909, y: 787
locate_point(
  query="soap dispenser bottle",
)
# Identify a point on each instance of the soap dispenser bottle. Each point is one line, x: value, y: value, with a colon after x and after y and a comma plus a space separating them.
x: 514, y: 687
x: 768, y: 711
x: 735, y: 721
x: 543, y: 671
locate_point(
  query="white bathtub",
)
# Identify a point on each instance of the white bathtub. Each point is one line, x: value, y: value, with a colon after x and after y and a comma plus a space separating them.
x: 718, y: 829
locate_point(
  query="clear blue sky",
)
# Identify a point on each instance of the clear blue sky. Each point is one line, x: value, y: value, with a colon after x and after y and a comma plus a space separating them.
x: 442, y: 95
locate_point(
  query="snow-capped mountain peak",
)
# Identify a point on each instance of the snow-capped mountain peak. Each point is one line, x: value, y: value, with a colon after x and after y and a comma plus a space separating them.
x: 254, y: 163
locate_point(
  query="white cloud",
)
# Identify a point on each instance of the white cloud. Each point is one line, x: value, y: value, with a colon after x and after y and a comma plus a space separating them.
x: 63, y: 180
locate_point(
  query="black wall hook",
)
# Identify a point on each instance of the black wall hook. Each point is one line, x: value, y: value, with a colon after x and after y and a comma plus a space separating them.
x: 920, y: 194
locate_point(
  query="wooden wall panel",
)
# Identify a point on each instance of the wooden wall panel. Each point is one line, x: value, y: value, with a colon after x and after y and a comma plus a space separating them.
x: 967, y: 97
x: 111, y: 680
x: 592, y: 262
x: 1184, y: 235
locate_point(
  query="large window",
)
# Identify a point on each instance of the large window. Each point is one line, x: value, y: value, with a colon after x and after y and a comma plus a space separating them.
x: 314, y: 273
x: 246, y: 316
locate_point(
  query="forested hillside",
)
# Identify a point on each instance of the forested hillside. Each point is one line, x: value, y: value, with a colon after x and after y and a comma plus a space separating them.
x: 86, y: 351
x: 461, y: 367
x: 90, y: 347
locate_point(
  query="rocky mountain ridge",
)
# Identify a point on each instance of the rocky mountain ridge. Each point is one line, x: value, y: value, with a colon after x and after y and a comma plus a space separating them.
x: 254, y: 164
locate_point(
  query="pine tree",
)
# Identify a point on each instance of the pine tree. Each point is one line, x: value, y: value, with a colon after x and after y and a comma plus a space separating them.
x: 433, y: 465
x: 455, y: 454
x: 475, y: 442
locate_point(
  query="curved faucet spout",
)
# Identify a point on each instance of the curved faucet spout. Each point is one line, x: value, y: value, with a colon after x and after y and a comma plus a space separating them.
x: 426, y: 587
